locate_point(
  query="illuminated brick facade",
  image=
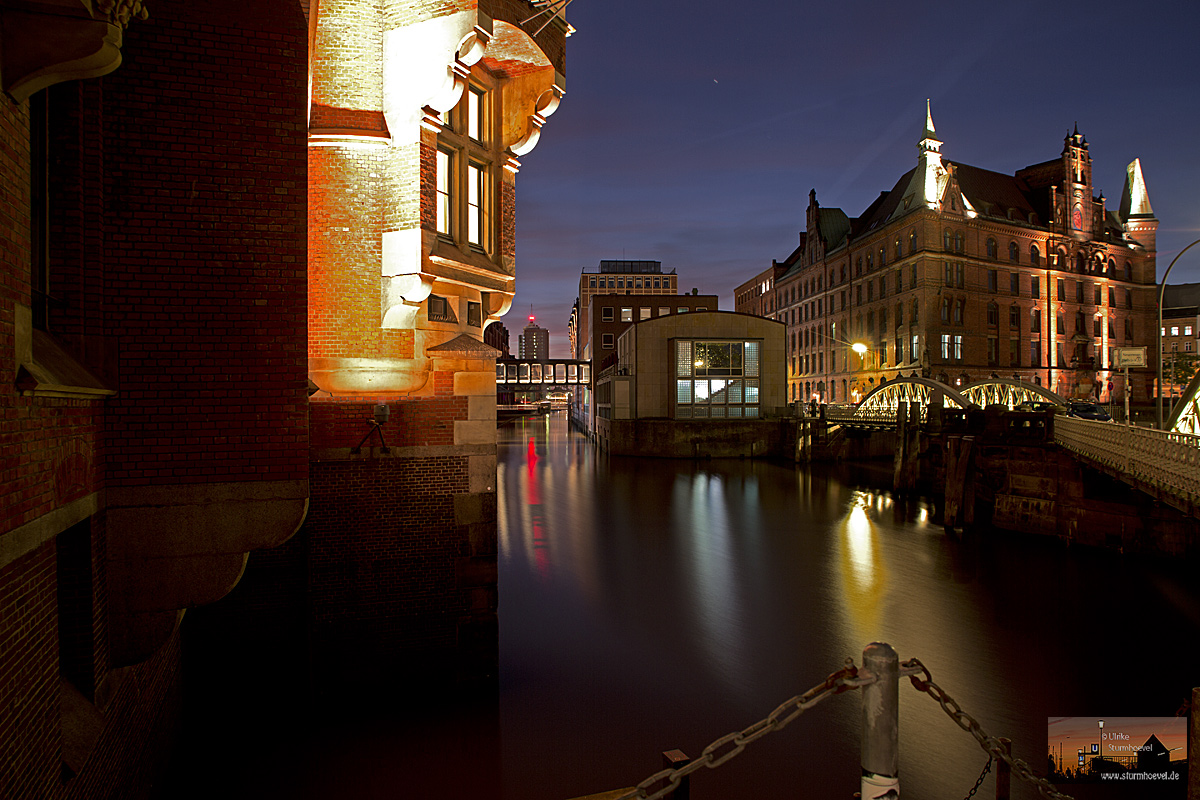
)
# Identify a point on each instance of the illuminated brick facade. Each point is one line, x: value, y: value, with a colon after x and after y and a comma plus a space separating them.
x: 959, y: 273
x: 419, y: 112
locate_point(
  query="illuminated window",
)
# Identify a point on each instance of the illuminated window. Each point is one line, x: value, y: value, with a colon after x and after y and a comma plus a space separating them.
x: 915, y: 353
x: 643, y: 313
x: 627, y: 314
x: 475, y: 98
x: 445, y: 171
x: 716, y: 380
x: 466, y: 167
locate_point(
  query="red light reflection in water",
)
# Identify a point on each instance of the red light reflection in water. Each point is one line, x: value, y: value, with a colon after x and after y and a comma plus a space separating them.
x: 533, y: 499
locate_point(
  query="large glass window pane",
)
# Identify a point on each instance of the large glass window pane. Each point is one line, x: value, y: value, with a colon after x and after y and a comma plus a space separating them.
x: 701, y: 387
x: 718, y: 386
x: 683, y: 359
x: 750, y: 368
x: 735, y: 391
x: 751, y: 391
x: 683, y: 391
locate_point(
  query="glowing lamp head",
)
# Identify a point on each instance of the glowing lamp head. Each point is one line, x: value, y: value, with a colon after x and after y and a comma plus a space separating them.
x: 531, y: 317
x: 859, y: 348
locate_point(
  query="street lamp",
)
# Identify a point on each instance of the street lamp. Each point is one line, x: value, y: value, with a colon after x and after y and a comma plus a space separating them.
x: 1158, y: 334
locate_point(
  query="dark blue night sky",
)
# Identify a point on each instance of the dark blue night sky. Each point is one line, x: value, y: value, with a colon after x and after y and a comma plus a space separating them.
x: 692, y: 132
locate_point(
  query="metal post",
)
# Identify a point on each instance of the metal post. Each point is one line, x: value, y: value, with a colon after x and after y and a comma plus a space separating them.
x: 675, y: 759
x: 1004, y: 771
x: 881, y: 723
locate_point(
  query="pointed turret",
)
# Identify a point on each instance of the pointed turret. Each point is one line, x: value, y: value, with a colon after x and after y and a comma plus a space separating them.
x: 929, y: 178
x: 1135, y: 201
x: 1135, y: 213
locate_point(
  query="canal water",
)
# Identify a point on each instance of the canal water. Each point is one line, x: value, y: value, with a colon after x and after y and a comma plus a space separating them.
x: 649, y: 605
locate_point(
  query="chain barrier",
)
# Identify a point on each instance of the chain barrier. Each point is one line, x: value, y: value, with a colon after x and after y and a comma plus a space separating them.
x: 979, y: 781
x: 728, y: 746
x: 990, y: 744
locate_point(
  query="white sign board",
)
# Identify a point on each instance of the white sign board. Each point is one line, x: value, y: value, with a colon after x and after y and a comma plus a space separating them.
x: 1130, y: 357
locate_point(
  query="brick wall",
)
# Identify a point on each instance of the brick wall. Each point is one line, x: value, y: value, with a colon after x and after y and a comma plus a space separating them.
x: 384, y: 548
x: 207, y: 264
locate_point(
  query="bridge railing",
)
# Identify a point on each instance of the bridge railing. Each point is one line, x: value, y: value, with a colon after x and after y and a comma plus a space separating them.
x: 1168, y: 461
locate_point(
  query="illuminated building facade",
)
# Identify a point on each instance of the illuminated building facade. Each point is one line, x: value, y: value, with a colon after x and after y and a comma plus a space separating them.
x: 959, y: 273
x: 534, y: 342
x: 419, y: 113
x: 1180, y: 336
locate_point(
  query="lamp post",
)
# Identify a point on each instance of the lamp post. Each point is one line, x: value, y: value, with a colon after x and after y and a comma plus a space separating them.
x: 1101, y: 747
x: 1158, y: 335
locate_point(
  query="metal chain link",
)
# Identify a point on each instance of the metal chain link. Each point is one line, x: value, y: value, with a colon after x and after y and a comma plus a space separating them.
x: 728, y: 746
x: 979, y: 781
x: 990, y: 744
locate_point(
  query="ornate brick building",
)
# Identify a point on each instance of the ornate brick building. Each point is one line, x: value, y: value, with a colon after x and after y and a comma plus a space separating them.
x: 217, y: 261
x: 419, y: 112
x: 960, y: 273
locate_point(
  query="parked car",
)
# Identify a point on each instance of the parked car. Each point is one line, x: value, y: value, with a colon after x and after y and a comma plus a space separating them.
x: 1084, y: 410
x: 1031, y: 405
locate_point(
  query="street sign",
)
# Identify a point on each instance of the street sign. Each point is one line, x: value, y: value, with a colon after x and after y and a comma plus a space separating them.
x: 1130, y: 357
x: 1095, y: 748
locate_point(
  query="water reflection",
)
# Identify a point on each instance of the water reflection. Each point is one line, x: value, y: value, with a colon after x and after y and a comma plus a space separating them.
x: 864, y: 576
x: 647, y: 605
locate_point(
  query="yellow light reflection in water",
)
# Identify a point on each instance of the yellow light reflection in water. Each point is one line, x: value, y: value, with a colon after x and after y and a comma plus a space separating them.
x: 864, y: 577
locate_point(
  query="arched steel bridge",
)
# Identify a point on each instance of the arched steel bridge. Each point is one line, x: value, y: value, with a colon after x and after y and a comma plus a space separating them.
x: 992, y: 391
x: 1164, y: 463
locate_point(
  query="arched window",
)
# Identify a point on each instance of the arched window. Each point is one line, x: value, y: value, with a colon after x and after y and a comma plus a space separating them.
x: 1060, y: 258
x: 882, y: 255
x: 858, y: 267
x: 899, y: 252
x: 1112, y: 268
x: 1128, y: 271
x: 958, y: 242
x: 958, y: 311
x: 915, y: 315
x: 993, y: 314
x: 1014, y: 253
x: 947, y: 240
x: 912, y: 242
x: 1035, y: 320
x: 1035, y: 256
x: 991, y: 248
x: 899, y: 314
x: 1079, y: 263
x: 945, y: 310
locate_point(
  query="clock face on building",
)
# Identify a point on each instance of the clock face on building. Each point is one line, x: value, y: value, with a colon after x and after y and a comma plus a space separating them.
x: 1077, y: 218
